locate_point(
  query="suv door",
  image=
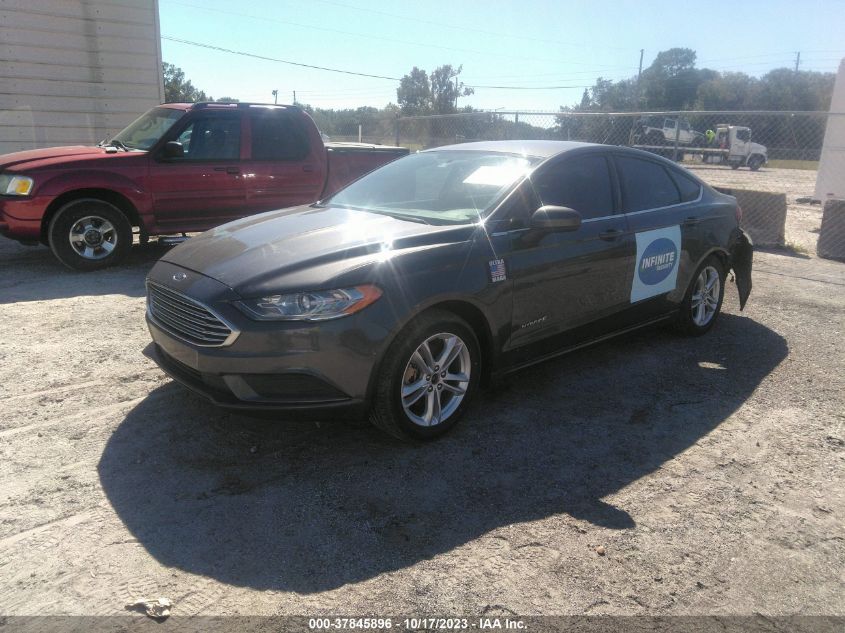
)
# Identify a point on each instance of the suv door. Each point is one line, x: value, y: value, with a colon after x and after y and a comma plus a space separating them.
x: 284, y: 170
x: 204, y: 187
x: 563, y: 280
x: 659, y: 202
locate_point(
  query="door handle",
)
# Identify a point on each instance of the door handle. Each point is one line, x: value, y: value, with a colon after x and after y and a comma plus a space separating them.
x: 610, y: 234
x: 233, y: 170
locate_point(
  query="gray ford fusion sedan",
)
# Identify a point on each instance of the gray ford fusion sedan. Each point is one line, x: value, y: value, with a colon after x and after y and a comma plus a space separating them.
x: 402, y: 294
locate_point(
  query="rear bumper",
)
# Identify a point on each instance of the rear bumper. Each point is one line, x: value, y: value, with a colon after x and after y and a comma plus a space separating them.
x: 742, y: 257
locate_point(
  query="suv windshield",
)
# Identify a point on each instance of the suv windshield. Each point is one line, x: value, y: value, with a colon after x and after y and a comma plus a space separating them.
x: 438, y: 187
x: 148, y: 128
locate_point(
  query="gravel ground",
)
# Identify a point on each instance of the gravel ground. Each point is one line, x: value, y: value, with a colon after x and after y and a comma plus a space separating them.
x: 708, y: 470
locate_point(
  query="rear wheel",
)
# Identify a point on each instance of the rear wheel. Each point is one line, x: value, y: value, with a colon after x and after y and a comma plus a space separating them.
x: 703, y: 301
x: 428, y: 378
x: 89, y: 234
x: 754, y: 163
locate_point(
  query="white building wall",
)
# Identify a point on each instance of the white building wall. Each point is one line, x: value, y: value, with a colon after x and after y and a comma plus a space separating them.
x: 830, y: 182
x: 74, y: 71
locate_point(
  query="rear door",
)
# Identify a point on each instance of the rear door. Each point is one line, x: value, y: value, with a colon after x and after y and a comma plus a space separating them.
x: 205, y: 187
x: 283, y: 169
x: 659, y: 202
x: 563, y: 280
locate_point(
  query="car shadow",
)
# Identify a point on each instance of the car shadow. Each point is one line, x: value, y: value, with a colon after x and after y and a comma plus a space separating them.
x: 309, y: 507
x: 32, y: 273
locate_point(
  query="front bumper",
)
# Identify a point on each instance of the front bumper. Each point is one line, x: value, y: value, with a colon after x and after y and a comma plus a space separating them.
x: 302, y: 368
x: 20, y: 217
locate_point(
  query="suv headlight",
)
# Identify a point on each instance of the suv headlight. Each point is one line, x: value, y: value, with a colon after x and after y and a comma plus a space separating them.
x: 321, y: 305
x: 14, y: 185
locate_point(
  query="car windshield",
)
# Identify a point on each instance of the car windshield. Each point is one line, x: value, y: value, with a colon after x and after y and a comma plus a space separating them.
x: 145, y: 131
x: 437, y: 187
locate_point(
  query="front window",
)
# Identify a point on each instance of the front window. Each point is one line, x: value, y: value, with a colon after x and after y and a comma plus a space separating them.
x: 438, y: 187
x: 145, y: 131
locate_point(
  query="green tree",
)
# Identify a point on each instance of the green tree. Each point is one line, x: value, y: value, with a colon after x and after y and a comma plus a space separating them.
x: 446, y: 88
x: 177, y: 89
x: 414, y: 93
x: 421, y: 93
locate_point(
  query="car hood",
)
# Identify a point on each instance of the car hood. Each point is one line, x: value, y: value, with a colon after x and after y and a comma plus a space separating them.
x: 303, y: 246
x: 36, y: 158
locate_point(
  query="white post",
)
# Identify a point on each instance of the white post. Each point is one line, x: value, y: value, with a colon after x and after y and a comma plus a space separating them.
x: 359, y: 132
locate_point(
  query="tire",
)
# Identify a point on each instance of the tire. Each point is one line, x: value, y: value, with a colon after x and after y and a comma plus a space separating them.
x: 696, y: 318
x: 90, y: 234
x: 754, y: 163
x: 735, y: 166
x: 403, y: 366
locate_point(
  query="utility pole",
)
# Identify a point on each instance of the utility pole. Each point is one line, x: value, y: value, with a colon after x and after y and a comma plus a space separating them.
x: 294, y: 98
x: 639, y: 74
x: 275, y: 96
x: 797, y: 60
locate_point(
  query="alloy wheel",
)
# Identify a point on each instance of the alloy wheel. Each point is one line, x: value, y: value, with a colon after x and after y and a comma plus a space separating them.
x: 436, y: 379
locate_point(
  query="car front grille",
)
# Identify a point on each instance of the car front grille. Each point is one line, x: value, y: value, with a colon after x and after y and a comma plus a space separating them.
x: 186, y: 318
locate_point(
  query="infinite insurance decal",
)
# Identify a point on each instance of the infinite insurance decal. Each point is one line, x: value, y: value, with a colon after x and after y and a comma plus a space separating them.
x: 658, y: 252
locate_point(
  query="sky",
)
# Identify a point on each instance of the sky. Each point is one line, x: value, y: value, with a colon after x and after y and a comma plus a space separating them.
x: 528, y: 55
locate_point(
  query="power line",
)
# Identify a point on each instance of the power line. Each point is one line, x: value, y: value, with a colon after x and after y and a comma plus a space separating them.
x: 369, y: 36
x: 462, y: 28
x: 275, y: 59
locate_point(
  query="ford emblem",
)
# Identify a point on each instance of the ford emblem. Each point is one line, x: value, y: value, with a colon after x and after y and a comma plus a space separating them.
x: 180, y: 277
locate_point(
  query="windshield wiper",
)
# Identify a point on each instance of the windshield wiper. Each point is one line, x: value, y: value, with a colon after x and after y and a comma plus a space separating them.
x: 113, y: 143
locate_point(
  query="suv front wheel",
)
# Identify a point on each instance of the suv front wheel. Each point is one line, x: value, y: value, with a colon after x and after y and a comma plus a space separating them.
x: 89, y: 234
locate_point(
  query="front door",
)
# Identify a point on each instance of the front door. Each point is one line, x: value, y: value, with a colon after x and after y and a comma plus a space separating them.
x: 203, y: 188
x: 564, y: 280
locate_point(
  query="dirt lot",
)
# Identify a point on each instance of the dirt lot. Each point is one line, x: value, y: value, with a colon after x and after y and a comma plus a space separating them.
x: 710, y: 470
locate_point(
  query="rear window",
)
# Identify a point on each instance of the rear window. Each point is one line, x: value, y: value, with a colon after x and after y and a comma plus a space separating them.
x: 277, y: 136
x: 690, y: 189
x: 645, y: 185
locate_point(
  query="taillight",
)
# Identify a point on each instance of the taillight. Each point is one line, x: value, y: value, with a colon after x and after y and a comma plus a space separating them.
x: 738, y: 214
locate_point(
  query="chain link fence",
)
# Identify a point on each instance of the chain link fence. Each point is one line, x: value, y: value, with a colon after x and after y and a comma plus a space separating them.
x: 768, y: 159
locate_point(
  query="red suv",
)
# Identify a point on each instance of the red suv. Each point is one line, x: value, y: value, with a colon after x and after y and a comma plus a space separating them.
x: 178, y: 168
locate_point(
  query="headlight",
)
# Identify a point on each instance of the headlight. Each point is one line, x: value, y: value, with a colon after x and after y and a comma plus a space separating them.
x: 310, y: 306
x: 12, y: 185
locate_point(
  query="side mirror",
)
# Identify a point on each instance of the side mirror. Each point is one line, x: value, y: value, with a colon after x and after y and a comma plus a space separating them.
x: 554, y: 218
x: 173, y: 149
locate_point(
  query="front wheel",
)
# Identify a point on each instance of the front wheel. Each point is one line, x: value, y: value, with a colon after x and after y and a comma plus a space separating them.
x: 428, y: 378
x: 754, y: 163
x: 89, y: 234
x: 703, y: 300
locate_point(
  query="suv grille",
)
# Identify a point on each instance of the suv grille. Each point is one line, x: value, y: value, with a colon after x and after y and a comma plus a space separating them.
x: 186, y: 318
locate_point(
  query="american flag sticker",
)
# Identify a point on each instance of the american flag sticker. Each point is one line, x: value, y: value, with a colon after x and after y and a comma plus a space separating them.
x: 497, y: 270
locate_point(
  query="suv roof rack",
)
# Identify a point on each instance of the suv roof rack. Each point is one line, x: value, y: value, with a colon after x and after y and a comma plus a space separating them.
x: 200, y: 105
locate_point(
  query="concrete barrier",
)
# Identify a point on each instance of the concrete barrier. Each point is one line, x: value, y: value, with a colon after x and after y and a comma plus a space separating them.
x: 831, y: 244
x: 763, y: 216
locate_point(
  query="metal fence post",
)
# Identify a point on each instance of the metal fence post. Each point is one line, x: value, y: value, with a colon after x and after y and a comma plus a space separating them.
x: 396, y: 130
x: 677, y: 136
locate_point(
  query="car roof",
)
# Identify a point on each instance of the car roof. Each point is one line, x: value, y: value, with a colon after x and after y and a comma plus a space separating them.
x: 539, y: 149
